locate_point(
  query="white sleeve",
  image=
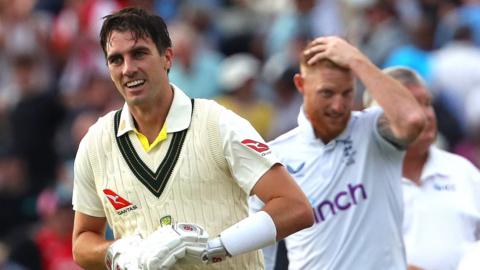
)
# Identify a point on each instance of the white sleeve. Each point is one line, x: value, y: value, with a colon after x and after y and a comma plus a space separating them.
x: 85, y: 199
x: 247, y: 154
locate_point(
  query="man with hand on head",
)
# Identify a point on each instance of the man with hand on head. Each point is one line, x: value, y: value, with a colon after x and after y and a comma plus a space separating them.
x: 441, y: 192
x: 165, y: 157
x: 348, y: 163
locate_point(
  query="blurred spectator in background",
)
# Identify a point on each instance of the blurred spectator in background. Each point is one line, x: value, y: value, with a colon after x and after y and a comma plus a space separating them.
x: 195, y: 66
x: 34, y: 120
x: 384, y: 32
x: 455, y: 74
x: 65, y: 31
x: 469, y: 147
x: 24, y: 30
x: 84, y: 57
x: 287, y: 102
x: 238, y: 78
x: 278, y: 62
x: 48, y: 245
x: 409, y: 12
x: 307, y: 18
x: 416, y: 53
x: 459, y: 13
x: 13, y: 192
x: 240, y: 28
x: 442, y: 206
x: 53, y: 237
x: 200, y: 17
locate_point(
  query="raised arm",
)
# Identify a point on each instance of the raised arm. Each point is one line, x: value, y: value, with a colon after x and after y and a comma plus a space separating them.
x: 403, y: 119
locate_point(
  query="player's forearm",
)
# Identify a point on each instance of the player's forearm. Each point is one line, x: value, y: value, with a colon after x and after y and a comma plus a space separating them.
x: 289, y: 215
x: 400, y: 107
x: 89, y: 250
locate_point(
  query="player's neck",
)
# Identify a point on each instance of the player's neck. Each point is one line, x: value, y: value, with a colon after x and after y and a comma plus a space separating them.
x: 150, y: 120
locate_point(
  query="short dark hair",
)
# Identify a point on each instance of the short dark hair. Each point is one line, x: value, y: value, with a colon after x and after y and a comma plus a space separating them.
x: 141, y: 23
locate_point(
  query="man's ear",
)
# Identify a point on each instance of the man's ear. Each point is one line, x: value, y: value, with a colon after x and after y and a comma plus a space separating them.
x: 299, y: 82
x: 168, y: 58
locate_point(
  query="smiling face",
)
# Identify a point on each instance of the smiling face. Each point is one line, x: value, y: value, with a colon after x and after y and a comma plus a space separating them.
x: 138, y: 70
x: 327, y: 97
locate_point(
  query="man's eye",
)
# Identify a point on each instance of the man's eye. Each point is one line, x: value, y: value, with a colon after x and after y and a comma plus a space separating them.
x: 115, y: 61
x: 139, y: 54
x: 326, y: 94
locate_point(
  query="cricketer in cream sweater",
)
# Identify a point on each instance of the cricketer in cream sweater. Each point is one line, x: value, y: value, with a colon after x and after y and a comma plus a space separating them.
x: 165, y: 157
x: 201, y: 189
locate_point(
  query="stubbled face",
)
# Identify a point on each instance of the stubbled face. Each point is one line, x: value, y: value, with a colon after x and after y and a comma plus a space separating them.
x: 429, y: 133
x: 138, y: 70
x: 328, y: 99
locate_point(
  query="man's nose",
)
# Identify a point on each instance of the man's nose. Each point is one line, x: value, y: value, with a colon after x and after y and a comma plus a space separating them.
x: 129, y: 67
x: 337, y: 104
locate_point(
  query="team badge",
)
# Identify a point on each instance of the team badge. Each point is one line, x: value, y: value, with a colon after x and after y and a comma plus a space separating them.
x: 166, y: 220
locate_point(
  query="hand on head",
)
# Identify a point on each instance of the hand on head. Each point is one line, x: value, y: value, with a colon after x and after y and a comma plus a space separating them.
x: 334, y: 49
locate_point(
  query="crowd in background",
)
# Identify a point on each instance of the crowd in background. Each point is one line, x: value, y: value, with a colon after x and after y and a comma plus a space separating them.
x: 243, y: 53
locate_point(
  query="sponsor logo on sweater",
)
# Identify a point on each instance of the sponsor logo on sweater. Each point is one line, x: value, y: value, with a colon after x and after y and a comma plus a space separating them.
x: 121, y: 205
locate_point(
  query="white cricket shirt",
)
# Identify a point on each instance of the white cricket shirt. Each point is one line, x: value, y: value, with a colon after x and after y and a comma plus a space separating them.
x: 354, y: 186
x: 442, y: 215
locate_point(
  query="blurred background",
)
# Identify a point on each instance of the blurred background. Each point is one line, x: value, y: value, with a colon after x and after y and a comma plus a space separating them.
x: 243, y: 53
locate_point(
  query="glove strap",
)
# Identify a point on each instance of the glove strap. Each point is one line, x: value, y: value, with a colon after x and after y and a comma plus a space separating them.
x: 215, y: 252
x: 109, y: 258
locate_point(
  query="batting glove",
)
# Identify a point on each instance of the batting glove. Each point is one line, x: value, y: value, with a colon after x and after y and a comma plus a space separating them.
x: 211, y: 251
x: 215, y: 251
x: 163, y: 248
x: 123, y: 254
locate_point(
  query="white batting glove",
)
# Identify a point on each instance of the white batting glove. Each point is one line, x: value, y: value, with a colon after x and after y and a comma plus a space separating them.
x: 123, y: 254
x: 195, y: 239
x: 211, y: 251
x: 163, y: 248
x: 215, y: 251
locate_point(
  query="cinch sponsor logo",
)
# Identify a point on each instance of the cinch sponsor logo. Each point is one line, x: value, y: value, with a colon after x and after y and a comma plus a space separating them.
x: 257, y: 146
x: 121, y: 205
x: 341, y: 202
